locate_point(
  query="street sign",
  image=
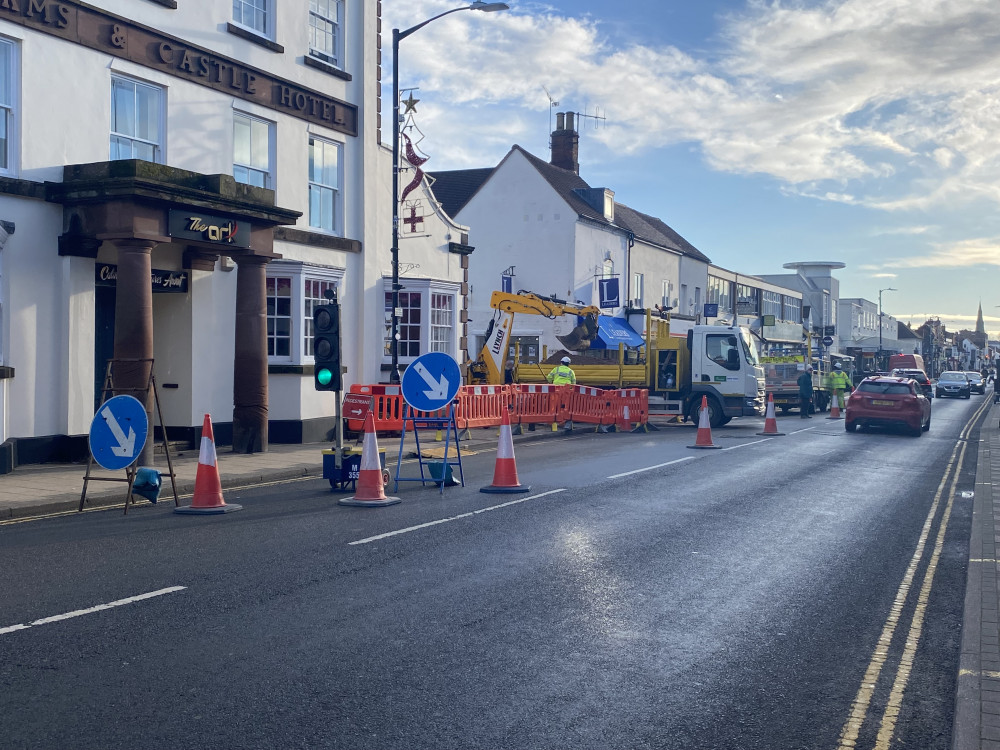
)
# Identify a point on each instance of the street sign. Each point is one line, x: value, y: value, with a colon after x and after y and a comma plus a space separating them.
x: 828, y: 341
x: 711, y: 310
x: 118, y: 432
x: 357, y: 405
x: 431, y: 382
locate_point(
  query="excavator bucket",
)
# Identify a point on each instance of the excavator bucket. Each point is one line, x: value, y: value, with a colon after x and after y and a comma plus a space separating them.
x: 580, y: 337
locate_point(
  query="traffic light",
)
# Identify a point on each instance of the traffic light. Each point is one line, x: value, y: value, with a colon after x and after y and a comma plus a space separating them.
x: 326, y: 347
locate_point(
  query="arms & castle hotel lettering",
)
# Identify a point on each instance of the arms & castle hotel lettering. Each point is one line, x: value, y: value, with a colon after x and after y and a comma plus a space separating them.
x: 99, y: 30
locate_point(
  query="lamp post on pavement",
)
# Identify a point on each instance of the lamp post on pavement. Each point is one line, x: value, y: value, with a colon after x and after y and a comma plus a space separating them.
x: 397, y: 37
x: 887, y: 289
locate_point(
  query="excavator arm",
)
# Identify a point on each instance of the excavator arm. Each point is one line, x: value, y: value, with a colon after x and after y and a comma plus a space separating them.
x: 489, y: 367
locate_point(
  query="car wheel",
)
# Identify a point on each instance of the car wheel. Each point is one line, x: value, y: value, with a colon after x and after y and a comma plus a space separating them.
x: 939, y: 395
x: 927, y: 426
x: 916, y: 432
x: 968, y: 395
x: 850, y: 426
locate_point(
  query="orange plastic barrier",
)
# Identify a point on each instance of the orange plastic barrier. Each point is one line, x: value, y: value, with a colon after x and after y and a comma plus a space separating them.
x: 630, y: 407
x: 535, y: 404
x: 387, y: 407
x: 581, y: 403
x: 482, y: 405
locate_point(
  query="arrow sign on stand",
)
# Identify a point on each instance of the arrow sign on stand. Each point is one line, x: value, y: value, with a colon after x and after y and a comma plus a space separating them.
x: 126, y: 445
x: 431, y: 381
x: 118, y: 432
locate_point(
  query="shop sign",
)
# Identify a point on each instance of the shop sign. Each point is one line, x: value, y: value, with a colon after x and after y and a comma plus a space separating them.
x: 217, y: 230
x: 171, y: 282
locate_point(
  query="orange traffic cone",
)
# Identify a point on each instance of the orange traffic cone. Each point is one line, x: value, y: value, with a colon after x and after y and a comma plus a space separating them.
x: 704, y: 438
x: 770, y: 421
x: 505, y: 473
x: 834, y: 407
x: 370, y: 492
x: 207, y: 496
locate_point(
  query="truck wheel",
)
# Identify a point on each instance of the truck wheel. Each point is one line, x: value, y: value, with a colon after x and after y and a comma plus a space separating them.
x: 783, y: 409
x: 715, y: 413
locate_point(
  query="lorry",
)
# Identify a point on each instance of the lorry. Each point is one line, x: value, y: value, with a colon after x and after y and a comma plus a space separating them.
x: 783, y: 364
x: 718, y: 363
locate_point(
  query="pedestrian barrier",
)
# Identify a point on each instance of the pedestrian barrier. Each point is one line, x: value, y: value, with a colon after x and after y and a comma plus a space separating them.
x: 485, y: 405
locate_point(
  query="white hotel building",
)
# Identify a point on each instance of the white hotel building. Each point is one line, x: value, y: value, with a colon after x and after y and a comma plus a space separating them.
x: 184, y: 181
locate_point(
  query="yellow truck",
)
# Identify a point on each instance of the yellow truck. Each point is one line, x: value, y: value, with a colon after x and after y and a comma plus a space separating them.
x: 716, y: 362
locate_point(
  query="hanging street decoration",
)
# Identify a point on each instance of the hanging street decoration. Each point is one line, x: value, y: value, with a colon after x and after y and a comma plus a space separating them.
x: 413, y: 221
x: 416, y: 161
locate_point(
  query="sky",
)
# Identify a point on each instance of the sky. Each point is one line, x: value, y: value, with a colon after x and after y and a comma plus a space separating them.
x: 763, y: 131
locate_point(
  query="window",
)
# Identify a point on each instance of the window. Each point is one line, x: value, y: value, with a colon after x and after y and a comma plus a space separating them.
x: 792, y: 309
x: 279, y: 317
x: 136, y: 120
x: 408, y: 325
x: 252, y: 151
x: 637, y: 285
x: 723, y: 350
x: 665, y: 294
x: 254, y: 14
x: 324, y: 30
x: 442, y: 322
x: 608, y: 269
x: 771, y: 304
x: 293, y: 289
x: 324, y: 185
x: 746, y: 300
x: 7, y: 98
x: 427, y: 318
x: 719, y: 293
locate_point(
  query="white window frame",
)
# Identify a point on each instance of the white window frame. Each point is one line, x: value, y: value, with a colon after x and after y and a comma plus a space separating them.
x: 269, y: 172
x: 338, y: 197
x: 10, y: 109
x: 299, y: 273
x: 336, y: 57
x: 266, y: 10
x: 426, y: 288
x: 159, y: 152
x: 637, y: 289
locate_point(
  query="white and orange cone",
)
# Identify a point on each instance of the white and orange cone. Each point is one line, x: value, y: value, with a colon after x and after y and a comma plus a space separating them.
x: 207, y: 498
x: 505, y: 473
x: 370, y: 492
x: 834, y: 407
x: 704, y: 437
x: 770, y: 421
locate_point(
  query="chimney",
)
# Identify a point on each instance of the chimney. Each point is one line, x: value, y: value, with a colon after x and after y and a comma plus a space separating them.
x: 566, y: 143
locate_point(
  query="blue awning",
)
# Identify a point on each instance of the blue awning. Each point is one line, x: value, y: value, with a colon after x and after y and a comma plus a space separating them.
x: 613, y: 331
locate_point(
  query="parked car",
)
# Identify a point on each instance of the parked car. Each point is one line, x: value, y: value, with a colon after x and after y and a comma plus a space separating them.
x: 926, y: 387
x: 976, y: 383
x: 953, y: 383
x: 888, y: 402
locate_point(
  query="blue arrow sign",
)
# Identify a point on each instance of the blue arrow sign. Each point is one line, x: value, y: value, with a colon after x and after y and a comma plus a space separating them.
x: 431, y: 382
x: 118, y: 432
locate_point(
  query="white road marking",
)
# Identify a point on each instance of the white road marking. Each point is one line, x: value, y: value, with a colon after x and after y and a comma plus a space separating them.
x: 804, y: 429
x: 91, y: 610
x: 744, y: 445
x: 650, y: 468
x: 453, y: 518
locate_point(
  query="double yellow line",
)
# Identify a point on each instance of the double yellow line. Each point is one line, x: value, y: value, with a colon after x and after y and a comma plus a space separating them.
x: 862, y: 701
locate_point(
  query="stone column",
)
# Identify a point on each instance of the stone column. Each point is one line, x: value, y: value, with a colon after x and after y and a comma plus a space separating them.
x: 250, y: 362
x: 134, y: 328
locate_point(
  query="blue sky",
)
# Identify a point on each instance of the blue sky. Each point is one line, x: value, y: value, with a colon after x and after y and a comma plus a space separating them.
x: 860, y: 131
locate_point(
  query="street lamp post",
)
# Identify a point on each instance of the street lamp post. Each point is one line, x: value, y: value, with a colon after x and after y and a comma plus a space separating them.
x: 397, y: 37
x: 887, y: 289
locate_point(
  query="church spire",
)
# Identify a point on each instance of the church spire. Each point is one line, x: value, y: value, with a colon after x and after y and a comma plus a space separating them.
x: 980, y: 326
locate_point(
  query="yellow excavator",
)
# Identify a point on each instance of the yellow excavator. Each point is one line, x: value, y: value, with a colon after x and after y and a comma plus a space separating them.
x: 489, y: 367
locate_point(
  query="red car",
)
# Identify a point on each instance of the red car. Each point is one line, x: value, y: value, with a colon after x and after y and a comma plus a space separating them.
x: 888, y: 402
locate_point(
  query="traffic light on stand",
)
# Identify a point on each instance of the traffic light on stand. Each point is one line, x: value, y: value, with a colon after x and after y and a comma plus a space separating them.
x: 326, y: 347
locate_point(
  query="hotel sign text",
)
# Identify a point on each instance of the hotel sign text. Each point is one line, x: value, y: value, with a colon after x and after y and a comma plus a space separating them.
x: 99, y: 30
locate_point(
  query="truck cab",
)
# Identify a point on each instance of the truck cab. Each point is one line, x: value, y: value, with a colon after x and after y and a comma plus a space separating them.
x: 716, y: 362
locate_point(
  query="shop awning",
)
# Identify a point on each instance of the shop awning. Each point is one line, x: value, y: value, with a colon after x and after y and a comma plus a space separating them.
x: 613, y: 331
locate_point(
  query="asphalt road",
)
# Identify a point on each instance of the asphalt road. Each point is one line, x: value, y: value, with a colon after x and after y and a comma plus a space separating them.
x: 793, y: 592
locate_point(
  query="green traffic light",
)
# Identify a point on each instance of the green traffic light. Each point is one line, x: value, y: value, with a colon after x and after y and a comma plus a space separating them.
x: 324, y: 376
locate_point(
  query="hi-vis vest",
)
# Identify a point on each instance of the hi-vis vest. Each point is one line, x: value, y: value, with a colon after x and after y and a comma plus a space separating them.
x: 839, y: 380
x: 561, y: 375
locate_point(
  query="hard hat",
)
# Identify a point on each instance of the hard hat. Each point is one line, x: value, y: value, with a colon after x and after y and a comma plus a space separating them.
x: 837, y: 366
x: 565, y: 360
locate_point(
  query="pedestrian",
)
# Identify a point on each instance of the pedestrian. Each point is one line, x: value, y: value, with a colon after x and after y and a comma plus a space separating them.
x: 840, y: 382
x: 508, y: 372
x: 562, y: 374
x: 805, y: 382
x: 996, y: 390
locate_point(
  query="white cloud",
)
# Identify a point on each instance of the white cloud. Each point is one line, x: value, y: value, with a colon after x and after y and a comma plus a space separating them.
x: 892, y: 104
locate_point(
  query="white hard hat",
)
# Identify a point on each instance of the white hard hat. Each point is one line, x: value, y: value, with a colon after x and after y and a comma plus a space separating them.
x: 837, y: 365
x: 565, y: 360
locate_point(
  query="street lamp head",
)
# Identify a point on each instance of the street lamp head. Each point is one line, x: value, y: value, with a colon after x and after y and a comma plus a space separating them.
x: 488, y: 7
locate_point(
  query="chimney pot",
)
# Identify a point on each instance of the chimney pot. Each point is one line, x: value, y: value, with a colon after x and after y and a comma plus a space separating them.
x: 570, y: 121
x: 565, y: 143
x: 560, y: 121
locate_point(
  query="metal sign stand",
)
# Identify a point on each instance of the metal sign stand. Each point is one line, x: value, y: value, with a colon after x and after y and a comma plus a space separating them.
x: 109, y: 390
x: 436, y: 423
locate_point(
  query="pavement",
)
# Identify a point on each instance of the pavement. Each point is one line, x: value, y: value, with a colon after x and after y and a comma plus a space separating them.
x: 36, y: 490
